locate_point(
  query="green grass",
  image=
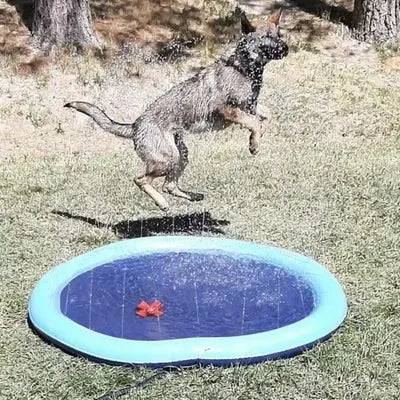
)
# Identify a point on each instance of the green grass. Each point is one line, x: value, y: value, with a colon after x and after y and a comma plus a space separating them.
x: 326, y: 184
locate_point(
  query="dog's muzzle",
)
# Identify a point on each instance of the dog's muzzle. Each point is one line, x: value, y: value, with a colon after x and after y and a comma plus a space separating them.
x: 284, y: 49
x: 277, y: 51
x: 280, y: 51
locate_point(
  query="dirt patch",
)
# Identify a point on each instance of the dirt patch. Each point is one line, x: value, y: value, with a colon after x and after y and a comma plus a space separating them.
x: 319, y: 25
x: 14, y: 34
x: 154, y: 22
x: 151, y: 23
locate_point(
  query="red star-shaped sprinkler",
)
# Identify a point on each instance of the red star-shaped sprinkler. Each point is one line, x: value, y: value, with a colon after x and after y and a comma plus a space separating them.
x: 154, y: 309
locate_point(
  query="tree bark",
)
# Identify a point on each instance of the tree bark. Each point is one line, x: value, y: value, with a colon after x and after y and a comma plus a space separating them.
x: 376, y: 20
x: 63, y: 22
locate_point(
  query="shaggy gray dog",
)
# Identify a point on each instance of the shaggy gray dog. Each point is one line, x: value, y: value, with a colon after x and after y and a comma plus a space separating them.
x: 227, y: 90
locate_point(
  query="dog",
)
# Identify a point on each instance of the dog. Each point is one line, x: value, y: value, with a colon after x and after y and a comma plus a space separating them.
x: 227, y: 90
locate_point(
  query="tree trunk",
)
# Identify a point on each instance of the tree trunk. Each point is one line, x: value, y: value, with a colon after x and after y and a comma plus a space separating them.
x: 63, y: 22
x: 376, y: 20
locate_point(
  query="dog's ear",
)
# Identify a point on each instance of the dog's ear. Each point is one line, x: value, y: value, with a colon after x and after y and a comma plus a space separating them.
x: 275, y: 18
x: 246, y: 25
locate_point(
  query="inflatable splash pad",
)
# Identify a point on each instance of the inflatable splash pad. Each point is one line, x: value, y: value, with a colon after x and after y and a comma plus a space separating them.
x: 183, y: 300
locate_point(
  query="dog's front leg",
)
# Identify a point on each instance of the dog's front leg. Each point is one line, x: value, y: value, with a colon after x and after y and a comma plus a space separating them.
x: 253, y: 122
x: 255, y: 137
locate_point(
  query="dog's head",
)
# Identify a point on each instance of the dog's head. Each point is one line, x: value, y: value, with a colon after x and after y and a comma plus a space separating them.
x: 262, y: 41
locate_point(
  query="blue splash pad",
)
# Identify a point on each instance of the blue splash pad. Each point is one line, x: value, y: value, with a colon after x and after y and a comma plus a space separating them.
x: 225, y: 301
x: 203, y: 295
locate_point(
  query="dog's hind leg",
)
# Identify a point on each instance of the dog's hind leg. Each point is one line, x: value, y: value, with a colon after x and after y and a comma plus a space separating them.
x: 144, y: 182
x: 171, y: 187
x: 171, y: 180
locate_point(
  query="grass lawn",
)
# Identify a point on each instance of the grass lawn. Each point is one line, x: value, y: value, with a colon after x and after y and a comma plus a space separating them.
x: 326, y: 184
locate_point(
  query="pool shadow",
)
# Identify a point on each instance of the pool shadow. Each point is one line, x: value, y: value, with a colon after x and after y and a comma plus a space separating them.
x: 192, y: 224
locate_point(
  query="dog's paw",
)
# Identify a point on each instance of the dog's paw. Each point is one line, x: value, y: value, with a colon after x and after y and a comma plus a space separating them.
x: 163, y: 206
x: 254, y: 142
x: 196, y: 196
x: 254, y: 150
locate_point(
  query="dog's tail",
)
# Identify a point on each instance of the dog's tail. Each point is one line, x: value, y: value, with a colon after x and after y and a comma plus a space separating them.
x: 100, y: 117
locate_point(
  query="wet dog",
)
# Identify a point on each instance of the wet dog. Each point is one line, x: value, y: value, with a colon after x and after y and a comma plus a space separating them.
x: 227, y: 90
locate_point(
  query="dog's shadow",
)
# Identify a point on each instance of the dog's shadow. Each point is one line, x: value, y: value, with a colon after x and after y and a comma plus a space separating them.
x: 192, y: 224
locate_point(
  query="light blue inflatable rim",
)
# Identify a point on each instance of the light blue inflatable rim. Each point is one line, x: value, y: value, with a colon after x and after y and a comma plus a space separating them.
x: 329, y: 311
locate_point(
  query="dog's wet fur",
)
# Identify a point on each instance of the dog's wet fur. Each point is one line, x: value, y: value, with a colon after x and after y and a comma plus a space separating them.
x: 227, y: 90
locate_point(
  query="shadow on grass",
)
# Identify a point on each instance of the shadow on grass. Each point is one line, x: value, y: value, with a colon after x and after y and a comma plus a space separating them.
x: 310, y: 25
x: 25, y: 10
x: 195, y: 223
